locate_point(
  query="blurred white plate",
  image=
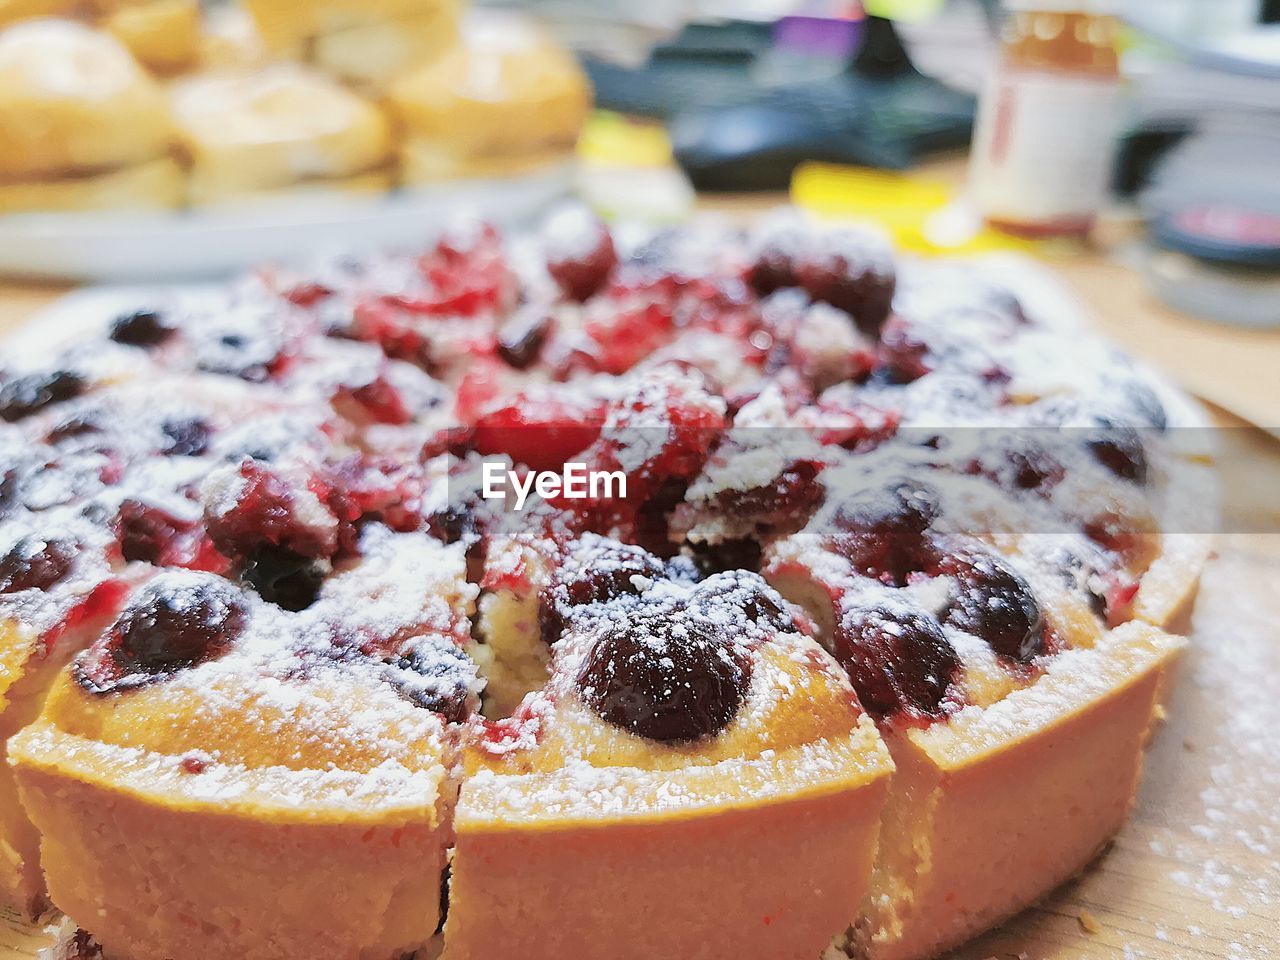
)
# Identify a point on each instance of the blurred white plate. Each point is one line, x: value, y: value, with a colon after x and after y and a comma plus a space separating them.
x: 118, y: 247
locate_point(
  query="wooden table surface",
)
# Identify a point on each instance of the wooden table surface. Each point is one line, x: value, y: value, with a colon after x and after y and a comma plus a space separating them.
x: 1196, y: 873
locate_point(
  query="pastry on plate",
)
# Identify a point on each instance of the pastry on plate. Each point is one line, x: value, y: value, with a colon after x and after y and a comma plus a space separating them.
x: 11, y: 11
x: 82, y: 126
x: 278, y: 130
x: 849, y: 638
x: 164, y: 35
x: 504, y: 99
x: 230, y: 40
x: 365, y: 44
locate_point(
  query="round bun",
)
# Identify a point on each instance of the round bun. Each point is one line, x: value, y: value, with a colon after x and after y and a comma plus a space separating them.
x: 163, y: 34
x: 287, y: 26
x: 230, y: 39
x: 505, y: 92
x: 281, y: 126
x: 11, y: 11
x: 370, y: 56
x: 155, y: 185
x: 73, y: 100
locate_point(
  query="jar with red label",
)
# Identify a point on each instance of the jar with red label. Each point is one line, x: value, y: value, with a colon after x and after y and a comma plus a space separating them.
x: 1045, y: 137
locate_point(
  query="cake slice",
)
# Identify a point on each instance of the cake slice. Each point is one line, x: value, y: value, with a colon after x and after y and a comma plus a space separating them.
x: 696, y: 779
x: 310, y: 754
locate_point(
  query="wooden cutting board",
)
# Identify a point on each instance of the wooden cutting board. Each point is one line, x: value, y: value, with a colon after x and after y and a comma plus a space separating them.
x: 1196, y: 873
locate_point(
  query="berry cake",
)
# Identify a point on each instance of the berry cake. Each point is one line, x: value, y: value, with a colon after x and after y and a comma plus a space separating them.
x: 854, y: 648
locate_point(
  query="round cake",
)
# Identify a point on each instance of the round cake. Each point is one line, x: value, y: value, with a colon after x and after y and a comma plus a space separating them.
x: 700, y: 593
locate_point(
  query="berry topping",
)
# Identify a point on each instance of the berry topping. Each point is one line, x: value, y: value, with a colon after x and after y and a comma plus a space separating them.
x: 23, y: 396
x: 897, y: 657
x: 1118, y: 447
x: 881, y: 530
x: 282, y: 577
x: 668, y: 677
x: 85, y: 424
x: 251, y: 506
x: 853, y: 271
x: 540, y: 431
x: 521, y: 338
x: 149, y: 534
x: 180, y: 620
x: 598, y: 571
x: 244, y: 343
x: 994, y: 602
x: 142, y: 328
x: 903, y: 355
x: 748, y: 592
x: 580, y: 253
x: 433, y: 673
x: 774, y: 265
x: 35, y: 563
x: 185, y: 437
x: 1144, y: 402
x: 8, y: 489
x: 782, y: 506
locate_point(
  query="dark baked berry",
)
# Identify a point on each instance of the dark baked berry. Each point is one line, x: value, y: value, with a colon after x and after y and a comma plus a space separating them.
x: 185, y: 437
x: 748, y: 592
x: 142, y: 328
x: 521, y: 338
x: 580, y: 254
x: 774, y: 265
x: 1119, y: 448
x: 433, y: 673
x: 709, y: 558
x: 1144, y: 402
x: 897, y: 657
x: 280, y: 576
x: 881, y: 530
x: 35, y: 563
x: 601, y: 570
x: 452, y: 522
x: 20, y: 397
x: 665, y: 678
x: 994, y: 602
x: 8, y: 489
x: 777, y: 508
x: 243, y: 344
x: 853, y: 272
x: 903, y: 357
x: 149, y: 534
x: 1033, y: 469
x: 256, y: 507
x: 179, y: 620
x: 1018, y: 462
x: 83, y: 425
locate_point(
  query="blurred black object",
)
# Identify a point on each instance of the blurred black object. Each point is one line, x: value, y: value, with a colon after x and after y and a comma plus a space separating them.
x: 744, y: 110
x: 1140, y: 151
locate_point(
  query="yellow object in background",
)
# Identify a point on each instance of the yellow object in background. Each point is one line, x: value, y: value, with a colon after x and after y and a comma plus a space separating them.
x: 613, y: 140
x: 906, y: 10
x: 922, y: 214
x: 627, y: 172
